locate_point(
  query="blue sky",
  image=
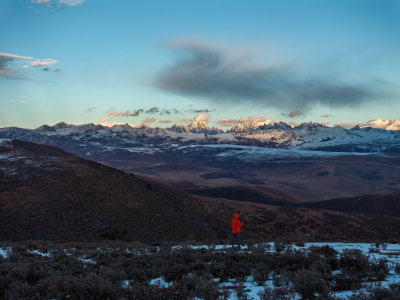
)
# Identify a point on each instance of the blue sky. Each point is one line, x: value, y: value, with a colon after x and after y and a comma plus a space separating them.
x: 101, y: 61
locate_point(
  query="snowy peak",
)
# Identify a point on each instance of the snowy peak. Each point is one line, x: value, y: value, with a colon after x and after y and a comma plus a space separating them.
x: 310, y: 126
x: 200, y: 125
x: 275, y: 125
x: 257, y: 126
x: 62, y: 125
x: 177, y: 128
x: 382, y: 124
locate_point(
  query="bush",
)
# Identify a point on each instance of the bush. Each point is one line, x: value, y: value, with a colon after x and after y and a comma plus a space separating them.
x: 378, y: 293
x: 308, y: 283
x: 192, y: 272
x: 280, y: 293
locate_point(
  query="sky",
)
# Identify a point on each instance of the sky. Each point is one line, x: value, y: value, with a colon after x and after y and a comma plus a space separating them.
x: 164, y: 62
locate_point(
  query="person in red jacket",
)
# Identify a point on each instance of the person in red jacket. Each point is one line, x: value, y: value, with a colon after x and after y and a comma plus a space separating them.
x: 235, y: 225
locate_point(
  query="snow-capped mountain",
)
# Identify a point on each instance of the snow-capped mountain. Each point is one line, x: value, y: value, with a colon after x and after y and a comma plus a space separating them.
x: 251, y: 141
x: 382, y: 124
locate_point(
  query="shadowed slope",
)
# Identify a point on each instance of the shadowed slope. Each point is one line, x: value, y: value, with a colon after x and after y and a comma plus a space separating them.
x: 46, y: 193
x: 49, y: 194
x: 384, y: 204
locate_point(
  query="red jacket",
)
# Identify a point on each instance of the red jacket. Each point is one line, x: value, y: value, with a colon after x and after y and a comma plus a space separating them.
x: 235, y: 224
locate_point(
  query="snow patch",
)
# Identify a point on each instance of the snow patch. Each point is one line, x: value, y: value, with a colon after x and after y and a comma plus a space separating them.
x: 37, y: 252
x: 4, y: 252
x: 160, y: 282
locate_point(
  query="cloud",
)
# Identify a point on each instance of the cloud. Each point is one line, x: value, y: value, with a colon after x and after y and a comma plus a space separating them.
x: 293, y: 114
x: 15, y: 101
x: 185, y: 121
x: 203, y: 117
x: 258, y: 119
x: 164, y: 121
x: 377, y: 123
x: 9, y: 72
x: 108, y: 123
x: 382, y: 124
x: 43, y: 62
x: 243, y: 120
x: 157, y: 110
x: 206, y: 111
x: 199, y: 111
x: 5, y: 69
x: 148, y: 120
x: 228, y: 122
x: 134, y: 113
x: 326, y: 116
x: 211, y: 72
x: 58, y: 3
x: 169, y: 111
x: 90, y: 109
x: 153, y: 110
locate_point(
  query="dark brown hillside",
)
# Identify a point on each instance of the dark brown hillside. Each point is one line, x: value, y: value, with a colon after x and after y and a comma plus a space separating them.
x: 240, y: 193
x: 46, y: 193
x: 380, y: 204
x: 17, y: 148
x: 274, y: 222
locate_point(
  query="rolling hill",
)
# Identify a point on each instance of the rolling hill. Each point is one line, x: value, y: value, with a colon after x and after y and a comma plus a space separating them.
x: 46, y: 193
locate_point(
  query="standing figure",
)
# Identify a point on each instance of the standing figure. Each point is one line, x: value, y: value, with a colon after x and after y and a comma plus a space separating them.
x: 235, y: 225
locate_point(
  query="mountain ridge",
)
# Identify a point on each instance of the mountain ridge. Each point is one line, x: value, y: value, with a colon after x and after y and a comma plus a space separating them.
x: 311, y: 161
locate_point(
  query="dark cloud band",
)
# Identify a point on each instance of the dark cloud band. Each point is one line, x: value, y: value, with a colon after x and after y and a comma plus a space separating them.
x: 208, y: 72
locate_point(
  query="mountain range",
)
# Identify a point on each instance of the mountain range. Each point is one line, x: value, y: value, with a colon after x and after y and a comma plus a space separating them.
x: 310, y: 162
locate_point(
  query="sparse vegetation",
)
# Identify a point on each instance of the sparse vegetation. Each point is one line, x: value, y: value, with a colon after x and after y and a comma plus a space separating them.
x: 128, y: 270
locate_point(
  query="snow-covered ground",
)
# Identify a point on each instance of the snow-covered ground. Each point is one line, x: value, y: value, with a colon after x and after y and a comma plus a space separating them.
x: 389, y: 252
x: 249, y: 153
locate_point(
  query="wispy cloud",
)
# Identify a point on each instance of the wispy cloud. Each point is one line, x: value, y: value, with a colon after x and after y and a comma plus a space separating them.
x: 16, y: 101
x: 228, y: 122
x: 164, y: 121
x: 8, y: 71
x: 91, y: 109
x: 109, y: 123
x: 243, y: 120
x: 153, y: 110
x: 212, y: 72
x: 134, y: 113
x: 327, y: 116
x: 203, y: 117
x: 185, y: 121
x: 293, y: 114
x: 148, y: 121
x: 172, y: 111
x: 58, y: 3
x: 159, y: 111
x: 200, y: 111
x: 43, y: 62
x: 5, y: 69
x: 127, y: 113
